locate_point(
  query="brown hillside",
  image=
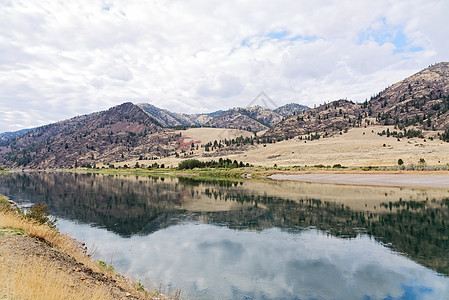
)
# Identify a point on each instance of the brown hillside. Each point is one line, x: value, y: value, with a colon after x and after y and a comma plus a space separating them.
x: 119, y: 133
x: 234, y: 119
x: 327, y: 119
x: 421, y: 100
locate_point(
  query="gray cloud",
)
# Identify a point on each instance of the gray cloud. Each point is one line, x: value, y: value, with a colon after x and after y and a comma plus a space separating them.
x: 224, y: 87
x: 208, y: 55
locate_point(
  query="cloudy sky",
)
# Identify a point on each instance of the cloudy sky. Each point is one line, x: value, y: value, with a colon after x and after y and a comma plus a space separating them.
x: 59, y: 59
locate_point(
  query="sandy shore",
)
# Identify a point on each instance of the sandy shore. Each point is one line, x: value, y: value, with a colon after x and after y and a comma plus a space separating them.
x: 397, y: 180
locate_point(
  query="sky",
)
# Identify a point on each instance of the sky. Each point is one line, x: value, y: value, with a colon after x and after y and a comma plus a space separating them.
x: 60, y: 59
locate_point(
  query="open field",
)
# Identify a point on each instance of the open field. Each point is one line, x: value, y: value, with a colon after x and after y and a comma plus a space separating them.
x: 359, y: 147
x: 205, y: 135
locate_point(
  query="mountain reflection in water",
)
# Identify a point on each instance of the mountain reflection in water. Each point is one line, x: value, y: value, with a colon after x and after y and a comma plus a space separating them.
x: 409, y: 221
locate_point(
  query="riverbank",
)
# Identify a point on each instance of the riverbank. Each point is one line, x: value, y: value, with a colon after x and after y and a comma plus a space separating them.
x: 38, y: 262
x: 391, y: 177
x: 412, y: 180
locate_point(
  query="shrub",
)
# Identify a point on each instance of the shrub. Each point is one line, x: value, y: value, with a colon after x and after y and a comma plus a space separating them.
x: 190, y: 164
x: 320, y: 166
x: 4, y: 202
x: 400, y: 162
x: 445, y: 136
x: 39, y: 212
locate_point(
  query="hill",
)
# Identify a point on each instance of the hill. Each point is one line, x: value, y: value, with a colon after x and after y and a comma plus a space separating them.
x: 5, y: 136
x: 359, y: 147
x: 251, y: 119
x: 414, y: 107
x: 167, y: 118
x: 421, y: 100
x: 255, y: 118
x: 291, y: 109
x: 120, y: 133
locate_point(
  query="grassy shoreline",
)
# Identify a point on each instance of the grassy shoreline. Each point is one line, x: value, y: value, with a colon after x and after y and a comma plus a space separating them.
x: 39, y: 262
x: 264, y: 172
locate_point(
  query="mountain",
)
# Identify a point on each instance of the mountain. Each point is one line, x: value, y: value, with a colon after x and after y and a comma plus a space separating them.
x: 236, y: 119
x: 262, y: 115
x: 122, y: 132
x: 420, y: 100
x: 5, y: 136
x: 170, y: 119
x: 129, y: 131
x: 327, y: 118
x: 290, y: 109
x: 256, y: 118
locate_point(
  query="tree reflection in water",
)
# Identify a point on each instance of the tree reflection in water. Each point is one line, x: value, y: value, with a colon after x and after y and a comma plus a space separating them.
x: 415, y: 225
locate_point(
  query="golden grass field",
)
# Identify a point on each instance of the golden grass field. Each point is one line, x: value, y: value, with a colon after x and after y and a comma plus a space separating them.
x: 359, y: 147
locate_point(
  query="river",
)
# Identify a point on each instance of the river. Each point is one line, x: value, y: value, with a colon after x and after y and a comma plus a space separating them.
x: 248, y: 239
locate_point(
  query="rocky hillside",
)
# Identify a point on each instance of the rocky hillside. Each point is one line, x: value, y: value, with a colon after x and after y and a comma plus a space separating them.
x: 257, y: 118
x: 120, y: 133
x: 291, y: 109
x: 325, y: 119
x: 5, y: 136
x: 420, y: 100
x: 167, y: 118
x: 253, y: 119
x: 235, y: 119
x: 264, y: 116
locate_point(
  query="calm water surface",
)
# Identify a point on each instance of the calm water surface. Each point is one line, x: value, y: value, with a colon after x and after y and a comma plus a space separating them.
x: 254, y: 240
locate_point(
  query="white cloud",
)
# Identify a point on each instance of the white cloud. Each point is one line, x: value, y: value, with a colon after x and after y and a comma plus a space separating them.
x: 84, y: 56
x: 224, y: 86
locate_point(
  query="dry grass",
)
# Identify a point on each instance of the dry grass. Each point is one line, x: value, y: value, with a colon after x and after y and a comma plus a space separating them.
x: 359, y: 147
x: 35, y: 277
x: 34, y: 274
x: 58, y: 240
x: 38, y: 278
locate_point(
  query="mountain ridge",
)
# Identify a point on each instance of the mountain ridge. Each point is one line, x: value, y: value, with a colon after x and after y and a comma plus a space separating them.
x: 127, y: 131
x: 421, y: 100
x: 111, y: 135
x: 262, y: 118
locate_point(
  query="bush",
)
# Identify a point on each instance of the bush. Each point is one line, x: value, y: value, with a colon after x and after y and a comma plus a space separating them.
x: 4, y: 202
x: 400, y: 162
x: 338, y: 166
x: 320, y: 166
x: 445, y: 136
x: 39, y: 212
x: 190, y: 164
x: 222, y: 163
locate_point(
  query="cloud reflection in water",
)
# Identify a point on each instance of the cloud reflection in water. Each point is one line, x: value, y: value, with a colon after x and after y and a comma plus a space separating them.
x: 208, y: 261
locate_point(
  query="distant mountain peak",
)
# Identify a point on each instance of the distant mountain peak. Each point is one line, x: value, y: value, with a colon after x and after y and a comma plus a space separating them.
x: 255, y: 117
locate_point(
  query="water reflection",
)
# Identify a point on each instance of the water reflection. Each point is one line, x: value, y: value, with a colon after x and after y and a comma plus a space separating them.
x: 139, y: 209
x: 215, y: 262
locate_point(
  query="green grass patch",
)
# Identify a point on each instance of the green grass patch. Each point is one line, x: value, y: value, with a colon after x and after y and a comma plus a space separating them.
x: 11, y: 231
x: 105, y: 266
